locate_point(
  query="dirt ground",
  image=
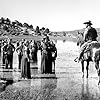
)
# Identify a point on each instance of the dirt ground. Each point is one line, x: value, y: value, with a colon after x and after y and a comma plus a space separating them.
x: 66, y: 84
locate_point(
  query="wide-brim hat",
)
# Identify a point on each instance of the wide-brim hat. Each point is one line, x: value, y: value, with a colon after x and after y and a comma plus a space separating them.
x: 88, y: 22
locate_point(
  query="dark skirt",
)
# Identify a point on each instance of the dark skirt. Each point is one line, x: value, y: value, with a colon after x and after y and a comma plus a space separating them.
x: 34, y: 56
x: 46, y: 63
x: 25, y: 68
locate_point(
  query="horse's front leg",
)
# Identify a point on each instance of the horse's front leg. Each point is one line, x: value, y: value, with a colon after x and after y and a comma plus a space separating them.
x: 82, y: 63
x: 87, y: 68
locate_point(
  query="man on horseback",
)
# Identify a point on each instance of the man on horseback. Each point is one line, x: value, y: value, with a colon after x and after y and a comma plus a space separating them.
x: 90, y: 34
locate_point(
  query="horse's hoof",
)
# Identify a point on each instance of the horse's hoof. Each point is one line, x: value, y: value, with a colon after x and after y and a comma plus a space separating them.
x: 98, y: 82
x: 86, y: 76
x: 83, y: 76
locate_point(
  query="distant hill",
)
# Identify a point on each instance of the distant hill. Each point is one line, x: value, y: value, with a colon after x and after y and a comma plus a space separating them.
x: 17, y: 29
x: 73, y: 34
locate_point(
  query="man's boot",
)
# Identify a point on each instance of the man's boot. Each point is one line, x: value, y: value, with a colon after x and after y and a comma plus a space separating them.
x: 77, y: 59
x: 80, y: 57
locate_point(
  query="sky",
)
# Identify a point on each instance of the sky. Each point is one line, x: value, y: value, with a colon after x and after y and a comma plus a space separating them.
x: 57, y: 15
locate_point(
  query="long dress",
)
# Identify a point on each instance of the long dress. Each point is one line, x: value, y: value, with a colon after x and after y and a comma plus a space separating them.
x: 25, y: 67
x: 19, y: 50
x: 46, y: 59
x: 34, y: 53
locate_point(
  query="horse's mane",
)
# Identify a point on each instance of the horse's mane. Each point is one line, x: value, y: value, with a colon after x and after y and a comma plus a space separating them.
x: 80, y: 41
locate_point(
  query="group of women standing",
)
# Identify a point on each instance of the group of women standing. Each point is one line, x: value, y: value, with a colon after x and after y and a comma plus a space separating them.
x: 27, y: 53
x: 48, y: 55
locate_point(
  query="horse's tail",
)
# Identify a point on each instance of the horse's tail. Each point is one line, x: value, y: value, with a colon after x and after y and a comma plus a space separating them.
x: 95, y: 54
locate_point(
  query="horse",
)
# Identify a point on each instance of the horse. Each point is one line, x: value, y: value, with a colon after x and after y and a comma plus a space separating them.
x: 91, y: 54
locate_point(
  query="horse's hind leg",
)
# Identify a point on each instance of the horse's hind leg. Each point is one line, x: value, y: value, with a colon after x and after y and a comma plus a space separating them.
x: 82, y: 62
x: 97, y: 66
x: 99, y: 77
x: 87, y: 68
x: 98, y: 70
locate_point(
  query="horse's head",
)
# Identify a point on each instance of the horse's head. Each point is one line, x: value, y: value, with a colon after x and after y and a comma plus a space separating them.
x: 80, y: 40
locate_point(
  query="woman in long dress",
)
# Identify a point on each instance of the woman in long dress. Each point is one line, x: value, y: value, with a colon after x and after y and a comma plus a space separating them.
x: 46, y: 57
x: 19, y: 51
x: 34, y: 50
x: 25, y: 64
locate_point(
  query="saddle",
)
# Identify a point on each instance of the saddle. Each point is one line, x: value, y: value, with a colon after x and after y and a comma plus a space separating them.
x: 91, y: 45
x: 88, y: 52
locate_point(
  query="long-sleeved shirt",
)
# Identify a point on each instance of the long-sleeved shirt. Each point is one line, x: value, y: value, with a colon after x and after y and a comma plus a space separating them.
x: 90, y: 33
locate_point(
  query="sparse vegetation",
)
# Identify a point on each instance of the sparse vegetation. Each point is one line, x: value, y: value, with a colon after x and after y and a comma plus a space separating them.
x: 15, y: 28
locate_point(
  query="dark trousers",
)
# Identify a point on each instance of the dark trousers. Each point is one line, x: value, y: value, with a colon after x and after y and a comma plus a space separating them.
x: 19, y: 59
x: 3, y: 59
x: 9, y: 61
